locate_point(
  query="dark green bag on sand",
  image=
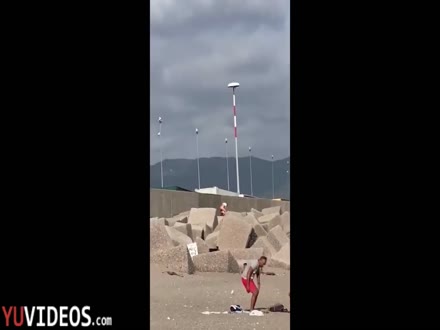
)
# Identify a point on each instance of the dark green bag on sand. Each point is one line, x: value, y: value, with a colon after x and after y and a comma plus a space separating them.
x: 277, y: 308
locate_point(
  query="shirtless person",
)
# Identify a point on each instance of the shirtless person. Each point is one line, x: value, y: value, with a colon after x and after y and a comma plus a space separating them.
x: 223, y: 209
x: 252, y: 269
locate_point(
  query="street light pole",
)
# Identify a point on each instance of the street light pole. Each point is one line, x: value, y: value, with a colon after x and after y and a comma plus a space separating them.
x: 198, y: 165
x: 250, y: 167
x: 273, y: 182
x: 160, y: 147
x: 288, y: 179
x: 227, y: 162
x: 234, y: 85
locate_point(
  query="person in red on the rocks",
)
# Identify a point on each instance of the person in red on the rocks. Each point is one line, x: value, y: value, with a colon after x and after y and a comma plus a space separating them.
x: 223, y: 209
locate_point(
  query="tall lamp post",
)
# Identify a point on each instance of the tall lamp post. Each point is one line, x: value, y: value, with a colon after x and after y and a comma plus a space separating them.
x: 197, y: 146
x: 160, y: 147
x: 235, y: 85
x: 227, y: 161
x: 288, y: 179
x: 250, y: 168
x: 273, y: 182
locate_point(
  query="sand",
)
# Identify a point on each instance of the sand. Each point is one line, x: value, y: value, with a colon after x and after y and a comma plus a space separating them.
x: 178, y: 302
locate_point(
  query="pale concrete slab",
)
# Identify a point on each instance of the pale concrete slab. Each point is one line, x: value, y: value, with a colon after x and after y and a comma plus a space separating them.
x: 285, y: 222
x: 198, y: 231
x: 256, y: 213
x: 282, y: 258
x: 268, y: 249
x: 159, y: 238
x: 219, y: 261
x: 177, y: 259
x: 212, y: 240
x: 277, y: 237
x: 247, y: 254
x: 202, y: 246
x: 178, y: 237
x: 203, y: 216
x: 273, y: 209
x: 234, y: 234
x: 184, y: 228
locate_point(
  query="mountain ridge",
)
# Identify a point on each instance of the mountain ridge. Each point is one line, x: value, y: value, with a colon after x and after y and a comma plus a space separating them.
x: 183, y: 173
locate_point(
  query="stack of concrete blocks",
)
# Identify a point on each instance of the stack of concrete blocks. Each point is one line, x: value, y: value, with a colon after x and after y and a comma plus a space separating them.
x: 224, y: 243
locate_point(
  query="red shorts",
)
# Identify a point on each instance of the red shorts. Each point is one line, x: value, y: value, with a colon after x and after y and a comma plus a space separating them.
x: 252, y: 286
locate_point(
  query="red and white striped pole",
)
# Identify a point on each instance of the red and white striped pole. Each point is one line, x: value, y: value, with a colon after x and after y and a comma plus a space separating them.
x: 234, y: 85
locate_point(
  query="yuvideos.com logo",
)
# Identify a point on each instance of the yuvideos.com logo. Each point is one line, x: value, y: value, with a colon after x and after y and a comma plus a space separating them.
x: 50, y: 316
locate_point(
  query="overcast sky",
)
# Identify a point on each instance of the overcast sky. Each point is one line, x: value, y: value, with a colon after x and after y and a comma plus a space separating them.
x: 197, y: 48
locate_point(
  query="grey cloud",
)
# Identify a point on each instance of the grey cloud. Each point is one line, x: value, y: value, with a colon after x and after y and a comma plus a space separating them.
x: 197, y: 47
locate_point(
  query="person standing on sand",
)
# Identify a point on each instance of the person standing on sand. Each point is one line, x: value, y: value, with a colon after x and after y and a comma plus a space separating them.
x: 252, y: 269
x: 223, y: 209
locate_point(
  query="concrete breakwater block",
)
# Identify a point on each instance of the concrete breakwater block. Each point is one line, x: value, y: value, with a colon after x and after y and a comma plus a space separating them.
x: 270, y: 220
x: 198, y: 231
x: 184, y: 228
x: 285, y: 222
x: 256, y: 213
x: 159, y: 220
x: 159, y: 238
x: 202, y: 246
x: 263, y: 242
x: 270, y: 210
x: 177, y: 259
x: 173, y: 220
x: 203, y: 216
x: 178, y: 237
x: 212, y: 240
x: 247, y: 254
x: 219, y: 261
x: 282, y: 258
x: 277, y: 237
x: 234, y: 234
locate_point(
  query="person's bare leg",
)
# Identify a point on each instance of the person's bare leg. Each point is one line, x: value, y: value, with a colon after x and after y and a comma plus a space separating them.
x: 254, y: 300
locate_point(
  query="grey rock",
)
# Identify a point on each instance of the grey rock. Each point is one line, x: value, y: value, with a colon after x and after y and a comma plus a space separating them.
x: 282, y: 258
x: 176, y: 258
x: 219, y: 261
x: 247, y: 254
x: 277, y: 237
x: 159, y: 238
x: 202, y: 246
x: 273, y: 209
x: 268, y: 249
x: 178, y: 237
x: 212, y: 239
x: 184, y: 228
x: 285, y: 222
x: 234, y: 234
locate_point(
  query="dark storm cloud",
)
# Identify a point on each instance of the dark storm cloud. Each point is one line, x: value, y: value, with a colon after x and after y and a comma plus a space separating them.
x: 197, y: 48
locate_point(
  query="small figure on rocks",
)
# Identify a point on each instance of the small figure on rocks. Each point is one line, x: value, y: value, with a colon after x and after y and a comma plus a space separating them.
x: 223, y: 209
x: 253, y: 268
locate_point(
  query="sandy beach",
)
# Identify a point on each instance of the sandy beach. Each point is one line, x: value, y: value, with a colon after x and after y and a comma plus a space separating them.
x: 178, y: 302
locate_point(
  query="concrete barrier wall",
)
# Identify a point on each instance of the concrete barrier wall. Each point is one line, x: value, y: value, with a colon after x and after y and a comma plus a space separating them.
x: 166, y: 203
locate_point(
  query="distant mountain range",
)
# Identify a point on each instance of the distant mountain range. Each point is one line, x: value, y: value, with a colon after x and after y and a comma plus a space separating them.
x: 183, y: 173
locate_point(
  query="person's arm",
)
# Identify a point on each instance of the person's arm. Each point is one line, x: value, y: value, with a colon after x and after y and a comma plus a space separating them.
x: 249, y: 275
x: 258, y: 278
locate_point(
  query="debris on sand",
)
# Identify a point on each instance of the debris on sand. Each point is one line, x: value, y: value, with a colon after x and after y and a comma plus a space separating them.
x: 173, y: 273
x: 268, y: 273
x: 256, y: 313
